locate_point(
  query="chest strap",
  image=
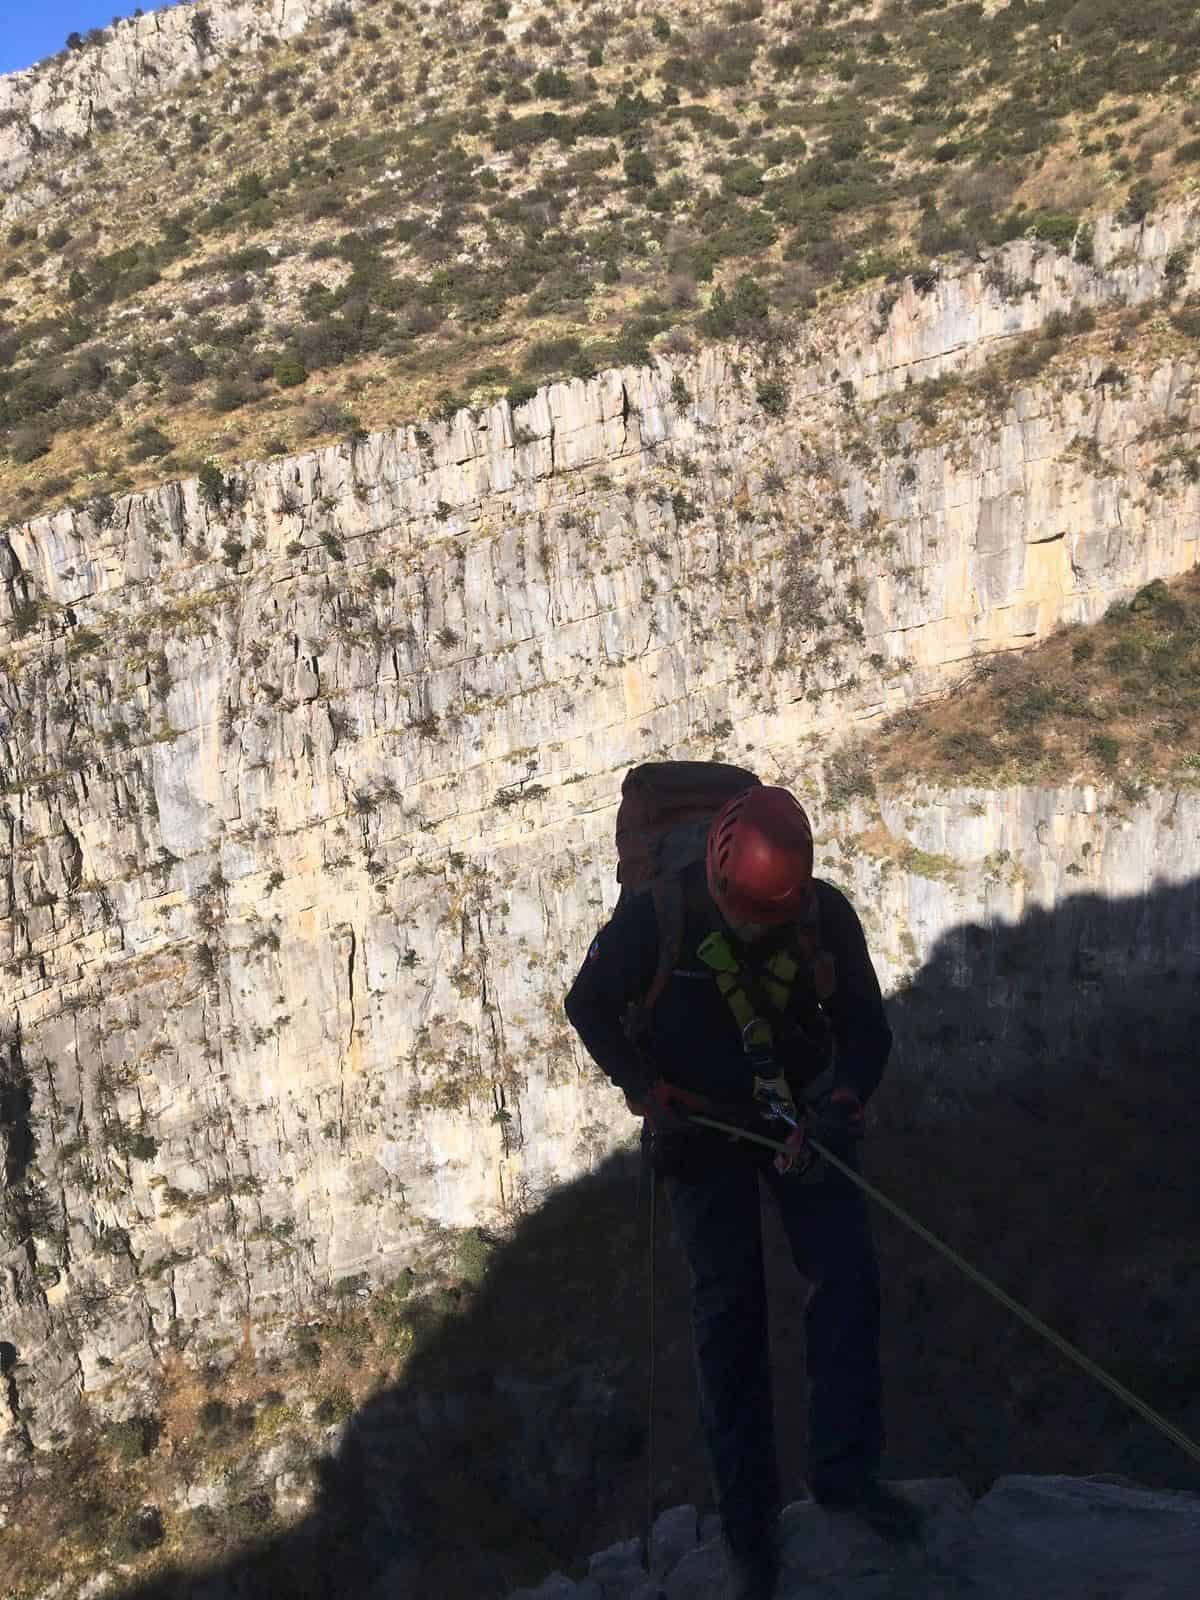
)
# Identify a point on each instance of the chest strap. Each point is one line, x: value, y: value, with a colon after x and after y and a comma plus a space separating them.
x: 772, y: 997
x: 754, y: 1004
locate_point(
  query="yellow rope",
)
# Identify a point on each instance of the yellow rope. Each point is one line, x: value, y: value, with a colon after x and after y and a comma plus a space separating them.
x: 1089, y: 1366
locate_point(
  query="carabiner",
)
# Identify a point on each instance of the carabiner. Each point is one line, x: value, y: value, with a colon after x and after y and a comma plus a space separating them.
x: 760, y: 1053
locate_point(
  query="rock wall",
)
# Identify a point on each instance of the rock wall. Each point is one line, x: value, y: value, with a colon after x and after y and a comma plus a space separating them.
x: 308, y: 776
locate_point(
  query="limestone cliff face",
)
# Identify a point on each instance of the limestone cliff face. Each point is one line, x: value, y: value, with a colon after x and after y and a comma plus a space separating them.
x: 308, y: 781
x: 59, y: 99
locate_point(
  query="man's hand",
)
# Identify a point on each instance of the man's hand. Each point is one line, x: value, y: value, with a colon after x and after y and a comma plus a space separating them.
x: 840, y: 1112
x: 658, y: 1105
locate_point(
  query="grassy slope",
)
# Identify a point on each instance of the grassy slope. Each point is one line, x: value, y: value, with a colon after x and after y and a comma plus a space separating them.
x: 1117, y: 702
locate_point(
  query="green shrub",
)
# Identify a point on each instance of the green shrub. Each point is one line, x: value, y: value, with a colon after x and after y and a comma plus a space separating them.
x: 1138, y: 202
x: 742, y: 178
x: 584, y: 364
x: 214, y: 1416
x: 548, y: 355
x: 489, y: 376
x: 334, y: 1406
x: 149, y: 442
x: 101, y: 510
x: 308, y: 1350
x: 1105, y: 748
x: 745, y: 308
x: 639, y: 170
x: 1155, y: 597
x: 130, y: 1440
x: 685, y: 72
x: 731, y: 67
x: 969, y: 747
x: 212, y: 484
x: 717, y: 320
x: 472, y: 1254
x: 254, y: 258
x: 550, y: 84
x: 1187, y: 321
x: 347, y: 1288
x: 288, y: 372
x: 27, y: 444
x: 185, y: 367
x: 683, y: 508
x: 847, y: 775
x: 1028, y: 706
x: 773, y: 397
x: 231, y: 394
x: 1055, y: 227
x: 1176, y: 266
x: 520, y: 393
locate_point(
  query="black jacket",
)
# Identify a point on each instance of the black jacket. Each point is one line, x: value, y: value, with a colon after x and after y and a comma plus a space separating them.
x: 694, y: 1040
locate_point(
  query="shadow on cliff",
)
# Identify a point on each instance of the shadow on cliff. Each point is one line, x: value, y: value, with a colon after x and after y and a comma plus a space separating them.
x: 1038, y: 1114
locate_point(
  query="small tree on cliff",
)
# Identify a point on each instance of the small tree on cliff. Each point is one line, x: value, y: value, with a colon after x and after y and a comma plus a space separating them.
x: 200, y: 28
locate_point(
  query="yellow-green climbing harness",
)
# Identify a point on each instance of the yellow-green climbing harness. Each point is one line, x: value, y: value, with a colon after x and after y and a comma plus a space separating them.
x: 779, y: 979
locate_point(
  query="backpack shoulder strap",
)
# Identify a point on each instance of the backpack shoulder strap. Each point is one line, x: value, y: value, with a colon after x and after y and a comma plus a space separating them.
x: 667, y: 894
x: 669, y: 911
x: 808, y: 943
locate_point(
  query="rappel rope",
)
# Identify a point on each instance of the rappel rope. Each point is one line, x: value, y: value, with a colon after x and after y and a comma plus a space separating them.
x: 1176, y: 1435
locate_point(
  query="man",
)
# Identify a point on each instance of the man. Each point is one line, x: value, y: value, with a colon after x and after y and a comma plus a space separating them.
x: 755, y: 888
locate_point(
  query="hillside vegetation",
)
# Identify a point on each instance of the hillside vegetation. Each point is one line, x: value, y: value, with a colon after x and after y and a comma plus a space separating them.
x: 403, y: 211
x: 1115, y: 703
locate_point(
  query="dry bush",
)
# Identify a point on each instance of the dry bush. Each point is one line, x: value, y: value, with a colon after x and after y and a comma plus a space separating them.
x: 988, y: 190
x: 678, y: 342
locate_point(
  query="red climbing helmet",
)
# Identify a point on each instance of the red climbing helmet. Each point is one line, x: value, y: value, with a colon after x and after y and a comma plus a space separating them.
x: 760, y: 857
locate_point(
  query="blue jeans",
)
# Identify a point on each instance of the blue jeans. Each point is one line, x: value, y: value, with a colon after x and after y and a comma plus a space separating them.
x: 717, y: 1220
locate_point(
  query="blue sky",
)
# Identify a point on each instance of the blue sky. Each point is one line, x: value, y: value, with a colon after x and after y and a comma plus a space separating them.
x: 33, y: 29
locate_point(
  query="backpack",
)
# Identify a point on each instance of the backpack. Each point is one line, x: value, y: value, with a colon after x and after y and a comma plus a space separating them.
x: 663, y: 821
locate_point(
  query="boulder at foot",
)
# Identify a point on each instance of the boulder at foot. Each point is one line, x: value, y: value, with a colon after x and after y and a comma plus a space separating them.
x: 888, y: 1513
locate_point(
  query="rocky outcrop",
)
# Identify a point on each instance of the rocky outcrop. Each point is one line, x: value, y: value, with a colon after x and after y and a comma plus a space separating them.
x: 308, y: 774
x: 1072, y: 1538
x: 58, y: 100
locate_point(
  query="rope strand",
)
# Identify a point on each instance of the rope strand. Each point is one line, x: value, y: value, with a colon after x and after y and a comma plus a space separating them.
x: 1089, y: 1366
